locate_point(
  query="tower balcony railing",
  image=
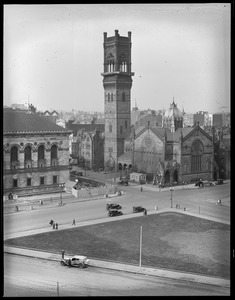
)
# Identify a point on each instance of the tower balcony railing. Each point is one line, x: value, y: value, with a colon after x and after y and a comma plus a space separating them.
x: 118, y: 73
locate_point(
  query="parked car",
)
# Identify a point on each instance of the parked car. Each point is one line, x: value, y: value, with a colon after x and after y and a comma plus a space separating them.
x: 113, y: 206
x: 137, y: 209
x: 113, y: 213
x: 220, y: 181
x: 199, y: 183
x: 78, y: 261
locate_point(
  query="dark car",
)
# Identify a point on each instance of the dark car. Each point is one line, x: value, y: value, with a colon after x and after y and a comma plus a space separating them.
x: 123, y: 182
x: 113, y: 206
x: 137, y: 209
x: 113, y: 213
x: 199, y: 183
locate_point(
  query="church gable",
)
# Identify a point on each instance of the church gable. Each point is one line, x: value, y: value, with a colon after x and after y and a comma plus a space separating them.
x: 148, y: 141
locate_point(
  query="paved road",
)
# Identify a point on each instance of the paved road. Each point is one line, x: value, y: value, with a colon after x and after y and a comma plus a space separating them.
x: 25, y: 276
x: 195, y: 200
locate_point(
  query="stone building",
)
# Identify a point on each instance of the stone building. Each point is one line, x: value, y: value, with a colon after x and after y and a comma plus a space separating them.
x: 117, y: 82
x: 35, y: 153
x: 91, y: 149
x: 169, y: 157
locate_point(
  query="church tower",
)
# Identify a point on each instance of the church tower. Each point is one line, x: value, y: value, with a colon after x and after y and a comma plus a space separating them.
x: 117, y: 82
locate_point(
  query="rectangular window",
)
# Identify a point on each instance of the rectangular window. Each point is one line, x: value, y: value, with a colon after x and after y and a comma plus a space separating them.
x: 126, y: 124
x: 121, y: 129
x: 28, y: 181
x: 15, y: 183
x: 110, y: 128
x: 41, y: 180
x: 54, y: 179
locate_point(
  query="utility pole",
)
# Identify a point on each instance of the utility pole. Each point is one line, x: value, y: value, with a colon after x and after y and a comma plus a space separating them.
x: 140, y: 245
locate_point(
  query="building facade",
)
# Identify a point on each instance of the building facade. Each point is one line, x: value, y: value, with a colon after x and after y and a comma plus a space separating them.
x: 169, y: 157
x: 36, y: 154
x: 117, y: 83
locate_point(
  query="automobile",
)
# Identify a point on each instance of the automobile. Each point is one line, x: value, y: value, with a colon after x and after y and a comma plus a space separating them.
x: 123, y: 182
x: 79, y: 173
x: 78, y: 261
x: 199, y: 183
x: 220, y: 181
x: 113, y: 213
x: 113, y: 206
x: 137, y: 209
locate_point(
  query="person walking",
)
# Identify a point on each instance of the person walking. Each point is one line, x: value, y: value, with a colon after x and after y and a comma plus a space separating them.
x: 74, y: 223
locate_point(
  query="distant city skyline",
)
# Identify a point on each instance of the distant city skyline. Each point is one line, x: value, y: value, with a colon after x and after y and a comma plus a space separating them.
x: 53, y: 55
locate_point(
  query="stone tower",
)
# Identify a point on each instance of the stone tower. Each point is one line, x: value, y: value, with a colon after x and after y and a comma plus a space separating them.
x: 117, y: 82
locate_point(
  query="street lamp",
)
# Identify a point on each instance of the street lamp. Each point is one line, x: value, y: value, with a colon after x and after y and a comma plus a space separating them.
x: 171, y: 189
x: 61, y: 186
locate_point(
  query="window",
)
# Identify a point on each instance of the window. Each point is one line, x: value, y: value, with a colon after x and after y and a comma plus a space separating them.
x: 110, y: 128
x: 28, y: 181
x: 123, y: 96
x: 14, y: 154
x: 111, y: 96
x: 54, y: 179
x: 121, y: 129
x: 41, y: 180
x: 126, y: 124
x: 53, y: 151
x: 108, y: 97
x: 41, y: 152
x: 15, y: 183
x: 196, y: 158
x: 27, y: 153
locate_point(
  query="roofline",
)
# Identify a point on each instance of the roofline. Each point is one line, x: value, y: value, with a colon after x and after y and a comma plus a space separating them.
x: 37, y: 132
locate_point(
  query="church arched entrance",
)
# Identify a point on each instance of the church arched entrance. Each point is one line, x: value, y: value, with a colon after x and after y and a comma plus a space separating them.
x: 175, y: 176
x: 167, y: 178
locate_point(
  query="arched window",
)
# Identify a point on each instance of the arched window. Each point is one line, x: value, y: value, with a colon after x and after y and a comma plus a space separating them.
x: 196, y: 156
x: 14, y: 153
x: 27, y: 153
x: 41, y: 152
x: 123, y: 96
x: 41, y: 156
x: 53, y: 152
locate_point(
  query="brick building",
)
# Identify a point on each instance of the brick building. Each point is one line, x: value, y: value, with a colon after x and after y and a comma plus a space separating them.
x: 117, y: 82
x: 36, y: 153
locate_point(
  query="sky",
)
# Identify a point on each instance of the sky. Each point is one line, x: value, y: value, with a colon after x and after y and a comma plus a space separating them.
x: 53, y: 55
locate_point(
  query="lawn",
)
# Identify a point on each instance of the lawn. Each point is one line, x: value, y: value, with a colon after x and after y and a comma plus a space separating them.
x: 170, y: 240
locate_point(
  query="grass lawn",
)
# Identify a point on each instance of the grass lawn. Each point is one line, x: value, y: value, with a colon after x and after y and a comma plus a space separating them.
x: 170, y: 240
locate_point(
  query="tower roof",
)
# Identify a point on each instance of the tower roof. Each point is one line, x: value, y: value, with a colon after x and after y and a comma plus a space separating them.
x: 173, y: 111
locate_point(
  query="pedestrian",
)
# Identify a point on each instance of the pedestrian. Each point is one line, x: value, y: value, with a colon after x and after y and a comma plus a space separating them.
x: 219, y: 202
x: 141, y: 189
x: 74, y: 223
x: 53, y: 225
x: 56, y: 225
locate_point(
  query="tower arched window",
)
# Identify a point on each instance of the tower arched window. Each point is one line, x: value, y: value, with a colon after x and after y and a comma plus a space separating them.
x: 196, y: 156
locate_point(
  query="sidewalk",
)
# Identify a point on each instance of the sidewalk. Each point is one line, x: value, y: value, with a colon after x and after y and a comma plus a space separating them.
x: 119, y: 266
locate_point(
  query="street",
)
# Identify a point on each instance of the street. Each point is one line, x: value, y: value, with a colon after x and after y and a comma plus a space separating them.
x: 198, y: 200
x: 24, y: 276
x: 35, y: 277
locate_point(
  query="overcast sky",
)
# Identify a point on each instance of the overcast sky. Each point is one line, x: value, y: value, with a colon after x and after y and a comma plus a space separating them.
x: 53, y: 54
